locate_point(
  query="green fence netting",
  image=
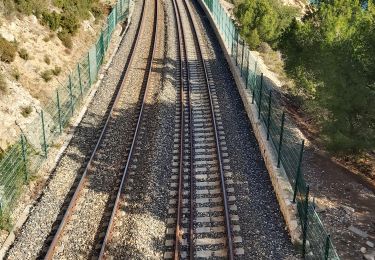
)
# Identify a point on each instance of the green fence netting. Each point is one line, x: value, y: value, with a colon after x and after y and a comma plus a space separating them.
x: 287, y: 145
x: 25, y: 157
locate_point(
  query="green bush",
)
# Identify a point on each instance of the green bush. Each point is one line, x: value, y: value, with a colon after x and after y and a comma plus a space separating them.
x: 23, y: 54
x: 47, y: 75
x: 29, y: 7
x: 70, y: 23
x: 97, y: 11
x: 66, y: 39
x: 7, y: 50
x: 51, y: 19
x: 331, y: 55
x: 263, y: 20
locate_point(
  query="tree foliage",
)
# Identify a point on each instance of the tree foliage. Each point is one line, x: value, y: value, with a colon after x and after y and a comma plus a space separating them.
x: 331, y: 55
x: 263, y: 20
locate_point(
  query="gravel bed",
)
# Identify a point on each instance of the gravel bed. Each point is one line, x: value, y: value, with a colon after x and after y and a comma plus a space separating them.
x: 140, y: 223
x: 31, y: 238
x: 83, y: 232
x: 262, y: 225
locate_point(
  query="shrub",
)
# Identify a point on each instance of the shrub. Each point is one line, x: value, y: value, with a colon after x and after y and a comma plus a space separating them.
x: 47, y: 75
x: 97, y: 11
x: 7, y: 50
x: 23, y: 54
x: 331, y: 55
x: 26, y: 111
x: 56, y: 71
x: 47, y: 59
x: 9, y: 7
x: 51, y: 19
x: 263, y: 20
x: 70, y: 23
x: 3, y: 84
x: 16, y: 74
x: 66, y: 39
x: 46, y: 38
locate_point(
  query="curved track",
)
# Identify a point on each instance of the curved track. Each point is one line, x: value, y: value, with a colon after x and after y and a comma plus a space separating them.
x: 111, y: 130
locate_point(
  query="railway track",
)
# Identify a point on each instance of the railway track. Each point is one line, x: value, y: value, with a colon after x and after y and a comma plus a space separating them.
x: 203, y: 220
x: 86, y: 226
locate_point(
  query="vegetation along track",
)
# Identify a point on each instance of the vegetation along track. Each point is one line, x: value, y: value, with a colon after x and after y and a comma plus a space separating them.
x: 86, y: 225
x: 202, y: 202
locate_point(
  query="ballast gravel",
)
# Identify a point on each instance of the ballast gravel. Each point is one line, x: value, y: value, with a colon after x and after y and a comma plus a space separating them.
x: 262, y: 226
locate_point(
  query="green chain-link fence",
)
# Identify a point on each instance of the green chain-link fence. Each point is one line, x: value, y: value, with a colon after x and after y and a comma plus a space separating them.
x: 27, y: 155
x: 288, y: 147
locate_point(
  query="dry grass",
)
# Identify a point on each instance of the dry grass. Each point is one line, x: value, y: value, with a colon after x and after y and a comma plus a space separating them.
x: 7, y: 50
x: 26, y: 111
x: 47, y: 75
x: 3, y: 84
x: 47, y: 59
x: 273, y: 60
x: 24, y: 54
x: 16, y: 74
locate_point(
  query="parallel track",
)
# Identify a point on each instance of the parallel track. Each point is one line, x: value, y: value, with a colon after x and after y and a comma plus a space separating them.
x: 105, y: 132
x: 132, y: 148
x: 196, y: 102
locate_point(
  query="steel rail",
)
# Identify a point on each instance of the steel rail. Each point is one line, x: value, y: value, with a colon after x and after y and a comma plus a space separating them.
x: 132, y: 148
x: 178, y: 231
x: 183, y: 59
x: 73, y: 201
x: 221, y: 169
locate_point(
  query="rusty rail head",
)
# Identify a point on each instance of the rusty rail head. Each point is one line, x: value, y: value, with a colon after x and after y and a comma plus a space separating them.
x: 124, y: 175
x: 178, y: 233
x: 222, y: 178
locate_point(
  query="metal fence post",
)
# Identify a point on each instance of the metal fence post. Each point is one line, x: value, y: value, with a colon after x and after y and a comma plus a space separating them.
x: 269, y: 115
x: 243, y: 48
x: 101, y: 50
x: 24, y: 154
x: 44, y: 134
x: 260, y: 95
x: 71, y: 94
x: 298, y: 174
x: 326, y: 251
x: 280, y: 140
x: 59, y: 110
x: 306, y: 209
x: 108, y: 37
x: 247, y: 68
x: 237, y: 48
x: 88, y: 59
x: 79, y: 77
x: 233, y: 36
x: 255, y: 74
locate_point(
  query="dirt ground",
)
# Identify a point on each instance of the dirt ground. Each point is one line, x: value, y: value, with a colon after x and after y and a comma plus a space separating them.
x: 343, y: 201
x: 344, y: 196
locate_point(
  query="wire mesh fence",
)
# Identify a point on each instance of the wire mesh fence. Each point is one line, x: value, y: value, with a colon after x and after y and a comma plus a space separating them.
x: 26, y: 156
x: 287, y: 145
